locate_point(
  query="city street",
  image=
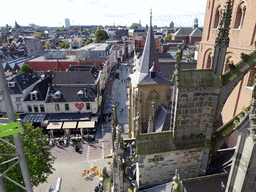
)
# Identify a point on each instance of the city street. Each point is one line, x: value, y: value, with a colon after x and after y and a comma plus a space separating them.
x: 70, y: 165
x: 120, y: 91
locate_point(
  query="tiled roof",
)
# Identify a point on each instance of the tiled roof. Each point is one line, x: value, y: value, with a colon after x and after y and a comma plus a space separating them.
x: 76, y: 77
x: 45, y: 65
x: 184, y: 31
x: 41, y: 89
x: 96, y: 63
x: 196, y: 32
x: 69, y: 94
x: 146, y: 79
x: 22, y: 81
x: 78, y: 39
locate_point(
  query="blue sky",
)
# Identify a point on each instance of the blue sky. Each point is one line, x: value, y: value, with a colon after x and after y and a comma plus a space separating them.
x: 101, y: 12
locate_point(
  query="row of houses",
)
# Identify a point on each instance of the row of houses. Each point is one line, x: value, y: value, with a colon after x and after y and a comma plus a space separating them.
x: 75, y: 91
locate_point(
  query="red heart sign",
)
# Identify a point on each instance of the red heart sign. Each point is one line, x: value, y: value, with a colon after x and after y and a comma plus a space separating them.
x: 79, y: 106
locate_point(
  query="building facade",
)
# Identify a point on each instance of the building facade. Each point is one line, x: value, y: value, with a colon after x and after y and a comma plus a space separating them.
x: 242, y: 39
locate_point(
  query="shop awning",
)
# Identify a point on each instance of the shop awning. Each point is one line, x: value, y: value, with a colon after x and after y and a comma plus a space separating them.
x: 69, y: 125
x: 86, y: 124
x: 54, y: 125
x: 94, y: 119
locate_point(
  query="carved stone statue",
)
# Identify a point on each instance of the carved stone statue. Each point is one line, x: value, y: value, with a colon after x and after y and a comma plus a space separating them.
x: 177, y: 185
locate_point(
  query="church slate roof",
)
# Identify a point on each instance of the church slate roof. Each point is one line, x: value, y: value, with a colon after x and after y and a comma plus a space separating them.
x: 148, y: 59
x: 146, y: 79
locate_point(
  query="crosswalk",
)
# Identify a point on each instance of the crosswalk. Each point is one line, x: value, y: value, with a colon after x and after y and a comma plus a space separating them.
x: 88, y: 151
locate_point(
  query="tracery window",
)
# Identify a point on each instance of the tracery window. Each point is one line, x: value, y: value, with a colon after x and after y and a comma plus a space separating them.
x: 240, y: 14
x: 209, y: 61
x: 217, y: 17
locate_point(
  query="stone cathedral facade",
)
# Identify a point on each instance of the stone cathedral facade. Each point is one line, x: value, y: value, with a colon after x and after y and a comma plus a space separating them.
x: 175, y: 123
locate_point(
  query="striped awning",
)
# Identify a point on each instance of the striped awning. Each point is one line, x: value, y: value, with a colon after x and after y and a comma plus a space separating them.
x: 54, y: 125
x: 69, y: 125
x: 86, y: 124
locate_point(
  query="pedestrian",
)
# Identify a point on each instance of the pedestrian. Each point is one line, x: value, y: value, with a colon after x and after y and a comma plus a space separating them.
x: 118, y: 103
x: 122, y: 110
x: 127, y: 94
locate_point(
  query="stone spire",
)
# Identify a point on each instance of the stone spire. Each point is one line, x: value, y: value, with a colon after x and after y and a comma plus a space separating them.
x: 222, y: 41
x: 149, y: 53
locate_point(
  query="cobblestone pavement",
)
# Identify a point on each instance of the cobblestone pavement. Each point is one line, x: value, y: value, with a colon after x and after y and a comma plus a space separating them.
x: 70, y: 165
x: 88, y: 151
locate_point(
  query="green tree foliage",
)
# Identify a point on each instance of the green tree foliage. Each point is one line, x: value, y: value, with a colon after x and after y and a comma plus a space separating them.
x: 168, y: 37
x: 17, y: 115
x: 26, y: 68
x: 57, y: 30
x: 162, y: 40
x: 40, y: 34
x: 47, y: 44
x: 133, y: 27
x: 6, y: 29
x: 8, y: 40
x: 100, y: 35
x: 38, y: 157
x: 87, y: 41
x: 65, y: 45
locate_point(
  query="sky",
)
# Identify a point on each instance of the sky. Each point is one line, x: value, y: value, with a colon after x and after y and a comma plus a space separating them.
x: 102, y: 12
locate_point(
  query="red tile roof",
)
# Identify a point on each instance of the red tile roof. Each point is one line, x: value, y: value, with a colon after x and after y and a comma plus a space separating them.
x: 63, y: 65
x: 45, y: 65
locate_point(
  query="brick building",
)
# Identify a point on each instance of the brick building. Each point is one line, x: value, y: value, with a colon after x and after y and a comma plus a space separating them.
x: 242, y: 38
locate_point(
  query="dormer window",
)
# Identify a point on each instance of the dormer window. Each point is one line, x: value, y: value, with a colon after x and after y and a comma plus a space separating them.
x: 57, y: 94
x: 33, y: 95
x: 80, y: 94
x: 11, y: 84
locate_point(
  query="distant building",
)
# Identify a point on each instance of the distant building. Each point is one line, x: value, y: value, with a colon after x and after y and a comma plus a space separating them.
x: 190, y: 35
x: 67, y: 23
x: 172, y: 25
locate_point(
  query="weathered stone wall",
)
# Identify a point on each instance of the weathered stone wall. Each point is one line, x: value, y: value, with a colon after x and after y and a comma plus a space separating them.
x: 149, y: 143
x: 141, y: 97
x: 160, y: 167
x: 195, y: 112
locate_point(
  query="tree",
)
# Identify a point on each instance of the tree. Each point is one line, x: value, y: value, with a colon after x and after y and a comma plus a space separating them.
x: 100, y: 35
x: 146, y: 28
x: 40, y: 34
x: 26, y: 68
x: 47, y: 44
x: 168, y: 37
x: 133, y: 27
x: 57, y: 30
x: 38, y: 157
x: 162, y: 40
x: 65, y: 45
x: 87, y: 41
